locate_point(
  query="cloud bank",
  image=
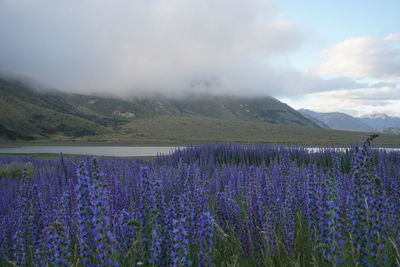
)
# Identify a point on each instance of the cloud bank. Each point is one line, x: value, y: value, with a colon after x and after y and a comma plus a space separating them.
x: 128, y: 47
x: 355, y: 102
x: 176, y: 47
x: 375, y: 60
x: 364, y: 58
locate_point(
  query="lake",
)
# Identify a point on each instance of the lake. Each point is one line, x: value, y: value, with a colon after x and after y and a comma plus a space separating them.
x: 317, y: 149
x: 110, y: 151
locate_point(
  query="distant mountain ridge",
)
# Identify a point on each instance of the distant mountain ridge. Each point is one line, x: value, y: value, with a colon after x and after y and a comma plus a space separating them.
x: 368, y: 123
x: 381, y: 121
x: 391, y: 130
x: 310, y: 115
x: 31, y: 113
x: 339, y: 121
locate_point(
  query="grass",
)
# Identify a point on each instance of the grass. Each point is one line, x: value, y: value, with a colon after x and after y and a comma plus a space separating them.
x: 14, y: 169
x: 170, y: 130
x: 53, y: 156
x: 46, y: 156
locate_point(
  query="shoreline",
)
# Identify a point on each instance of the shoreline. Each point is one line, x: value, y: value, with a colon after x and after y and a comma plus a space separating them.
x: 126, y: 144
x: 55, y: 156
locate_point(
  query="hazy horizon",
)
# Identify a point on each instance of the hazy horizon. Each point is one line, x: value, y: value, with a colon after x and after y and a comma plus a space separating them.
x: 331, y: 57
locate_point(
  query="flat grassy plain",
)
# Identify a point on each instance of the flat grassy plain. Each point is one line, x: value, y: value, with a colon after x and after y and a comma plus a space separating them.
x: 168, y: 130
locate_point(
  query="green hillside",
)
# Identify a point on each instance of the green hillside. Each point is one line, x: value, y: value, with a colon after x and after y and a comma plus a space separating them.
x: 31, y: 114
x: 52, y: 116
x: 26, y: 114
x: 262, y: 109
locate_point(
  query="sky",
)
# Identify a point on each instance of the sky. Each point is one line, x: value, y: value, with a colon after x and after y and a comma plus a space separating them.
x: 322, y: 55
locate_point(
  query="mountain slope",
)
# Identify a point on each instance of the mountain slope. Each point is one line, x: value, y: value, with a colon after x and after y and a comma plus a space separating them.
x: 27, y: 113
x: 390, y: 130
x: 379, y: 121
x: 368, y: 123
x: 320, y: 123
x: 339, y: 121
x: 261, y: 109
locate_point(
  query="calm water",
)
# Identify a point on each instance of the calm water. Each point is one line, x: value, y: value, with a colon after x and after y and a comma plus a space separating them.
x: 318, y: 149
x: 111, y: 151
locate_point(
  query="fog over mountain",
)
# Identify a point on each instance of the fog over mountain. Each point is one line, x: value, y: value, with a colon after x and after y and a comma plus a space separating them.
x: 28, y: 112
x: 171, y: 47
x: 226, y: 47
x: 133, y: 46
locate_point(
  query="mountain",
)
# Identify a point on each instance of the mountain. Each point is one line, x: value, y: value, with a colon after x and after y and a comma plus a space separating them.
x: 26, y: 113
x: 379, y: 121
x: 30, y: 113
x: 390, y: 130
x: 306, y: 113
x: 368, y: 123
x: 339, y: 121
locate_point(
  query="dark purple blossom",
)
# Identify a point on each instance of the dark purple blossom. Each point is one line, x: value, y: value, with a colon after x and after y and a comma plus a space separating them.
x: 208, y: 205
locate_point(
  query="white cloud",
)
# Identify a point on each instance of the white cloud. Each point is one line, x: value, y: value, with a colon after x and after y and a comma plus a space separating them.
x: 364, y: 58
x: 356, y: 102
x: 374, y: 61
x: 125, y: 46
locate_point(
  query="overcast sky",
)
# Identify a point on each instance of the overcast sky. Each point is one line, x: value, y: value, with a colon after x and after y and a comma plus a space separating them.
x: 323, y: 55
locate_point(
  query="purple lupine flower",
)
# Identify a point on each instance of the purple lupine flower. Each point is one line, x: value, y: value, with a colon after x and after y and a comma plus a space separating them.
x: 57, y: 245
x: 179, y: 246
x: 334, y: 240
x: 205, y: 233
x: 22, y: 236
x: 148, y: 204
x: 28, y: 237
x: 367, y: 210
x: 103, y: 237
x: 285, y: 208
x: 95, y: 233
x: 228, y: 211
x: 124, y: 231
x: 324, y: 214
x: 6, y: 231
x: 164, y: 212
x: 155, y: 247
x: 38, y: 221
x: 85, y: 215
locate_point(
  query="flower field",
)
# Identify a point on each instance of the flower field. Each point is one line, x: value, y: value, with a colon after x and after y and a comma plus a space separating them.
x: 207, y: 205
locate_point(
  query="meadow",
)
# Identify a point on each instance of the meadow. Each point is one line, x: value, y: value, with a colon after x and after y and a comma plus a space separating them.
x: 206, y: 205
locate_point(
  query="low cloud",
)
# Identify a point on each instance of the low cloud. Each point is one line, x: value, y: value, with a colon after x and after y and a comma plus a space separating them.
x: 295, y: 83
x: 129, y: 47
x: 177, y: 47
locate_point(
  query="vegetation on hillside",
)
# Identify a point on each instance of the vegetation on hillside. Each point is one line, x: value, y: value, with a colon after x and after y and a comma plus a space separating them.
x: 51, y: 116
x: 33, y: 114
